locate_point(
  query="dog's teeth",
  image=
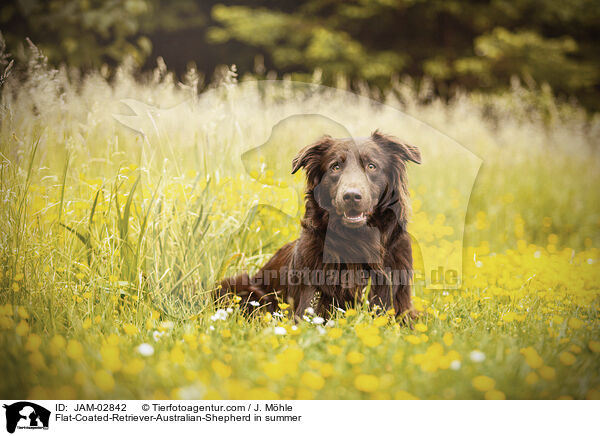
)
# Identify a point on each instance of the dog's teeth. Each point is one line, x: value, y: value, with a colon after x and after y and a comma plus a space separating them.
x: 355, y: 218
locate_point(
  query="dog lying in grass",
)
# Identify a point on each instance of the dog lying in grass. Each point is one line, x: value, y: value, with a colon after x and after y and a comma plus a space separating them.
x: 353, y: 235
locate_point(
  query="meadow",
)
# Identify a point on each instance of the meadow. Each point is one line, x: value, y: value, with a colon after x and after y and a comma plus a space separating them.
x: 123, y: 201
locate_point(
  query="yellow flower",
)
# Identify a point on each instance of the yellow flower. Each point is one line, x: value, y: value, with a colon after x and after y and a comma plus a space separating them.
x: 86, y: 324
x: 448, y: 339
x: 74, y: 350
x: 547, y: 373
x: 110, y: 357
x: 275, y: 370
x: 18, y: 277
x: 130, y: 329
x: 398, y: 357
x: 453, y: 355
x: 380, y: 321
x: 221, y: 369
x: 22, y: 328
x: 226, y: 333
x: 334, y: 350
x: 366, y: 383
x: 104, y: 380
x: 191, y: 340
x: 134, y: 366
x: 532, y: 357
x: 594, y: 346
x: 177, y: 355
x: 190, y: 375
x: 351, y: 312
x: 531, y: 378
x: 305, y: 394
x: 354, y: 357
x: 494, y: 395
x: 420, y: 327
x: 57, y: 344
x: 484, y: 383
x: 403, y: 395
x: 326, y: 370
x: 567, y: 358
x: 371, y: 340
x: 291, y: 356
x: 334, y: 333
x: 412, y: 339
x: 312, y: 380
x: 575, y: 323
x: 33, y: 342
x: 37, y: 360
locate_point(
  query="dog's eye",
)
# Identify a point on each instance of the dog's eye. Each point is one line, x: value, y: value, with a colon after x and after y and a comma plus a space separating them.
x: 371, y: 166
x: 335, y: 167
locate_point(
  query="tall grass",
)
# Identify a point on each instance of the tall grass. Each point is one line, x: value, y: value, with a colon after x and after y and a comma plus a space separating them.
x: 124, y: 200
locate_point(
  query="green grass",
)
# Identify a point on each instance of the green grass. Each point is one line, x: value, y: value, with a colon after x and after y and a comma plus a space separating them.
x: 112, y: 238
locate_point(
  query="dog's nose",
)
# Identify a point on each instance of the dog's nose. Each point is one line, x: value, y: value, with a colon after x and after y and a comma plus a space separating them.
x: 352, y: 196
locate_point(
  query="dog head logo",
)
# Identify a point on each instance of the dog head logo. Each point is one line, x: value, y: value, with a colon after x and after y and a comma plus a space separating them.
x: 26, y: 415
x: 440, y: 187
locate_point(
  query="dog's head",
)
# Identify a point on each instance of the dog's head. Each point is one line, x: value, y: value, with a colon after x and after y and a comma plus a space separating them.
x: 356, y: 178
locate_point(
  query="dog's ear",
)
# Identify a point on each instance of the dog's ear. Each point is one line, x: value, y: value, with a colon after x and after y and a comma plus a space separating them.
x: 309, y: 156
x: 404, y: 150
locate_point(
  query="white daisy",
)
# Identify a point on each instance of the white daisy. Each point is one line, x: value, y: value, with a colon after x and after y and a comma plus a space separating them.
x: 145, y: 349
x: 220, y: 315
x: 477, y: 356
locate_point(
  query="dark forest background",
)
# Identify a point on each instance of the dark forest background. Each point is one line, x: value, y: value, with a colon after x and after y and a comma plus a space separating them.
x: 456, y: 45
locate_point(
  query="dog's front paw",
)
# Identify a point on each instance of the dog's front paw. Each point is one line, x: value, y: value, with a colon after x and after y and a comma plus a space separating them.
x: 409, y: 316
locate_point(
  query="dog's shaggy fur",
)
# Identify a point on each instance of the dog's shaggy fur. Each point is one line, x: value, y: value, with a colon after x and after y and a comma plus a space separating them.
x: 354, y: 228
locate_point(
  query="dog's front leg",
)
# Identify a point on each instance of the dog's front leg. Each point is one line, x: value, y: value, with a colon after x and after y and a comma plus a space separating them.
x: 382, y: 296
x: 308, y: 297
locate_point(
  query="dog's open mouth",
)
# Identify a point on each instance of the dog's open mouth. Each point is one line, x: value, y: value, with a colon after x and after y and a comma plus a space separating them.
x: 355, y: 217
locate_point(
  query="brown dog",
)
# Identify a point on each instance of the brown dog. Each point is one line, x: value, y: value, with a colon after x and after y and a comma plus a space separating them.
x: 353, y: 231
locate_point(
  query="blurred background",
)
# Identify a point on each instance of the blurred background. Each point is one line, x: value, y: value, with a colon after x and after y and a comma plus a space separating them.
x: 131, y: 175
x: 449, y: 45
